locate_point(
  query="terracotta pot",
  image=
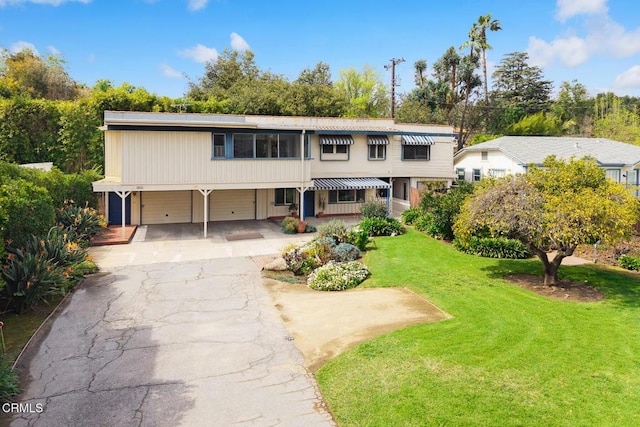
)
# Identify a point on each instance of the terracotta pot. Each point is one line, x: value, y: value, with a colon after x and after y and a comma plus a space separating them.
x: 302, y: 226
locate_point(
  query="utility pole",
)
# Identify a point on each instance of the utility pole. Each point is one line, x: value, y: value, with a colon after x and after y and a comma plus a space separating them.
x: 394, y: 62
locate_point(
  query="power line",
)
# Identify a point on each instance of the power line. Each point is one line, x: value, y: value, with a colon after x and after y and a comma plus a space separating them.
x: 394, y: 62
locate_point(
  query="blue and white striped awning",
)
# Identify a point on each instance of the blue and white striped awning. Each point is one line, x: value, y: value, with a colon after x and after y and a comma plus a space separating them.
x: 417, y: 140
x: 336, y: 140
x: 348, y: 183
x: 377, y: 140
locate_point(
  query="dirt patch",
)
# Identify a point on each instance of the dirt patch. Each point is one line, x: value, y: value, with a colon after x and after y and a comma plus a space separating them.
x: 566, y: 290
x: 325, y: 324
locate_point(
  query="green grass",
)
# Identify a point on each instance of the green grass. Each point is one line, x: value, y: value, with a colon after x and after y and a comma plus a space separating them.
x: 508, y: 357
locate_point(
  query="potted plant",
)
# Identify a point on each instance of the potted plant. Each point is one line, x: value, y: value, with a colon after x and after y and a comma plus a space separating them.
x: 293, y: 208
x: 302, y: 226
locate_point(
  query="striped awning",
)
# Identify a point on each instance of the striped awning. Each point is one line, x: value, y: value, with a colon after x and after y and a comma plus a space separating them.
x: 417, y: 140
x: 377, y: 140
x: 348, y: 183
x: 336, y: 140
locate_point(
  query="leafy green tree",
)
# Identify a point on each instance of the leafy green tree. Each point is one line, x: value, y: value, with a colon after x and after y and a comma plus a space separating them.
x: 28, y: 74
x: 364, y: 93
x: 539, y: 124
x: 556, y: 207
x: 29, y: 130
x: 614, y: 121
x: 314, y: 94
x: 29, y: 210
x: 519, y: 84
x: 573, y: 107
x: 81, y: 142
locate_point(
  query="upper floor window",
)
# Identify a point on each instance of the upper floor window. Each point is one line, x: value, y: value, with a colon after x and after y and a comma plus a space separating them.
x: 416, y: 152
x: 335, y: 147
x: 266, y: 146
x: 484, y: 155
x: 377, y: 147
x: 219, y: 151
x: 416, y: 147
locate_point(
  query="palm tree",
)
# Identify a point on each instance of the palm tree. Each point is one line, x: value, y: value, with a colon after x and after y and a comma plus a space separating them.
x: 484, y: 23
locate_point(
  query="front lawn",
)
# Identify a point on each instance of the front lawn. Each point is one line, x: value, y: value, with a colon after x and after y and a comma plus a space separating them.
x: 508, y: 357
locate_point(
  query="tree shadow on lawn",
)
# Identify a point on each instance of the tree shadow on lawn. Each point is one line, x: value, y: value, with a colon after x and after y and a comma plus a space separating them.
x: 619, y: 287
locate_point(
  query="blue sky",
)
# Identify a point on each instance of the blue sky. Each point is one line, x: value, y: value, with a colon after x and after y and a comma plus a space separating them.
x: 155, y: 43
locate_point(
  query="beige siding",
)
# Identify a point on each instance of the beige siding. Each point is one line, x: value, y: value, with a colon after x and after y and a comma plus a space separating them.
x: 135, y: 208
x: 440, y: 164
x: 232, y: 205
x: 197, y: 200
x: 166, y: 207
x: 112, y: 154
x: 357, y: 165
x: 262, y: 203
x: 185, y: 158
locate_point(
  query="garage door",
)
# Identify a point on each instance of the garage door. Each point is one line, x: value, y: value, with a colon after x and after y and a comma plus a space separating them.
x: 166, y: 207
x: 228, y: 205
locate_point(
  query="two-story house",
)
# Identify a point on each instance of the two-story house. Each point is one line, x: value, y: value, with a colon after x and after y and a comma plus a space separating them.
x: 194, y: 168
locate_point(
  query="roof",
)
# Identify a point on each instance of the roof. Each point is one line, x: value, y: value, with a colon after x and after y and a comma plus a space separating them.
x: 348, y: 183
x: 133, y: 120
x: 534, y: 149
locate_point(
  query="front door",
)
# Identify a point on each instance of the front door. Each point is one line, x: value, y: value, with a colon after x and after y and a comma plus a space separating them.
x: 115, y: 209
x: 309, y: 203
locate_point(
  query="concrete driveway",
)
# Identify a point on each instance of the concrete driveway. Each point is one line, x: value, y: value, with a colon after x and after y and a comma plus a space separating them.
x: 152, y: 342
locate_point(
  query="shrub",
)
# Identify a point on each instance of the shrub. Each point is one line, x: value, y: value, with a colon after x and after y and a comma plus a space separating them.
x: 310, y: 228
x: 57, y: 248
x: 81, y: 223
x: 30, y: 278
x: 374, y: 208
x: 304, y: 259
x: 28, y: 208
x: 289, y: 225
x: 423, y: 222
x: 337, y: 276
x: 346, y: 252
x: 382, y: 226
x: 358, y: 237
x: 8, y: 379
x: 327, y: 240
x: 493, y: 247
x: 443, y: 210
x: 335, y: 228
x: 410, y: 215
x: 629, y: 262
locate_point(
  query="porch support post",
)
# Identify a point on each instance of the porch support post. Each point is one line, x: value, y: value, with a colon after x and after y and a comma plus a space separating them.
x: 123, y: 196
x: 389, y: 201
x: 205, y: 194
x: 302, y: 189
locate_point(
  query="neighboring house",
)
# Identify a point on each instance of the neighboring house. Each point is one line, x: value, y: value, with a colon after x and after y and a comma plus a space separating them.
x: 512, y: 154
x: 183, y: 168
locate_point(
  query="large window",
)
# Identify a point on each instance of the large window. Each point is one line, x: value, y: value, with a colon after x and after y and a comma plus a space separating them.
x: 266, y: 146
x: 346, y: 196
x: 416, y: 152
x: 377, y: 152
x: 219, y: 151
x: 476, y: 175
x: 285, y: 196
x: 613, y: 174
x: 243, y: 146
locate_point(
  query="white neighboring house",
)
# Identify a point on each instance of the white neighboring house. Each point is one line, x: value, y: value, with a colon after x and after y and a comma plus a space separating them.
x: 512, y: 155
x: 196, y: 168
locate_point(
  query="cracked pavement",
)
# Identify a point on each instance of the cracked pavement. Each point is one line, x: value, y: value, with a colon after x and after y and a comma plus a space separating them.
x: 189, y: 343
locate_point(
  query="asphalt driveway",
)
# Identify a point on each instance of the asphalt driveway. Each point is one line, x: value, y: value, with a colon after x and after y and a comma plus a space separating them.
x: 188, y: 343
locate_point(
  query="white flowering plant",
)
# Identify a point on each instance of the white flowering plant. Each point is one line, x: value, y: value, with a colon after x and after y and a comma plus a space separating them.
x: 337, y: 276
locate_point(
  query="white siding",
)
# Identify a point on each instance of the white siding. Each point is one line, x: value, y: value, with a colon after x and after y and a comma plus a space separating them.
x: 112, y: 154
x: 496, y: 160
x: 228, y: 205
x: 166, y: 207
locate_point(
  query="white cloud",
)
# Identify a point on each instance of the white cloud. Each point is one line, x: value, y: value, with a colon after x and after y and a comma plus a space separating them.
x: 569, y: 8
x: 571, y: 51
x: 54, y: 51
x: 194, y: 5
x: 4, y: 3
x: 200, y: 53
x: 170, y: 72
x: 238, y: 43
x: 21, y: 45
x: 629, y: 79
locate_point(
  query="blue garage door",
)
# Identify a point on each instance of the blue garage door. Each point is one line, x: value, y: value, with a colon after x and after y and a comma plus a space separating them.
x: 115, y: 209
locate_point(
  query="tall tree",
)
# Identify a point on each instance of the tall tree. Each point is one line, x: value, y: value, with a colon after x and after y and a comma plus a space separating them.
x: 615, y: 121
x: 480, y: 28
x: 553, y: 208
x: 364, y: 93
x: 573, y: 107
x: 469, y: 80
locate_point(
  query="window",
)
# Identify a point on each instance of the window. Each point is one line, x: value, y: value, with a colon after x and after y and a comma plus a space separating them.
x: 342, y: 149
x: 484, y: 155
x: 613, y: 174
x: 219, y: 151
x: 460, y: 174
x: 243, y: 146
x: 476, y: 175
x: 327, y: 149
x: 498, y: 173
x: 266, y: 146
x: 377, y: 152
x: 284, y: 196
x: 416, y: 152
x: 346, y: 196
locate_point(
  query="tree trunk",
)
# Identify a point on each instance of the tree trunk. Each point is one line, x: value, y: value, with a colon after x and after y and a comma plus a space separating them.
x: 551, y: 274
x: 484, y: 71
x: 550, y: 267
